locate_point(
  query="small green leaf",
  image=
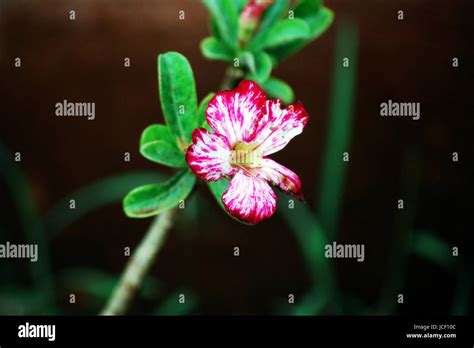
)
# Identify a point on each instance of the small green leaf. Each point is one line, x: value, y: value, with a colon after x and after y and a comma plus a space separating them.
x: 213, y: 29
x: 157, y: 145
x: 248, y: 60
x: 263, y: 67
x: 271, y: 15
x: 319, y: 23
x: 153, y: 199
x: 279, y: 89
x: 178, y: 96
x: 284, y: 32
x: 226, y: 19
x: 318, y: 20
x: 214, y: 49
x: 202, y: 110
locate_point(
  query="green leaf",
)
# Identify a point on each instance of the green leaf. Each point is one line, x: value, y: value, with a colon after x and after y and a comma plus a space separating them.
x: 240, y: 4
x: 312, y: 240
x: 263, y: 67
x: 271, y: 15
x: 318, y: 22
x: 248, y: 60
x: 170, y: 306
x: 284, y: 32
x: 278, y: 89
x: 178, y: 96
x: 100, y: 284
x: 432, y: 248
x: 157, y: 145
x: 213, y: 29
x: 214, y: 49
x: 22, y: 199
x: 226, y: 19
x: 153, y: 199
x: 339, y: 128
x: 202, y: 111
x: 318, y: 18
x: 217, y: 189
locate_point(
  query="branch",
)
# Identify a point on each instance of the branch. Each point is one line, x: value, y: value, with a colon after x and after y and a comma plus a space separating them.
x: 139, y: 264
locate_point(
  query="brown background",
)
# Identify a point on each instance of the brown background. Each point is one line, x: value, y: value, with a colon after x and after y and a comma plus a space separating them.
x: 82, y: 60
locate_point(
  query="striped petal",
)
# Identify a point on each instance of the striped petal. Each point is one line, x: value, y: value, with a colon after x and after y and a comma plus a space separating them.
x: 277, y: 127
x: 280, y: 176
x: 235, y: 113
x: 208, y: 156
x: 249, y: 199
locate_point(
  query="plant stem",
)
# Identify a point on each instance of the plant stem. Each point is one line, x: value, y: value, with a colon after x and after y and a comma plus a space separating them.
x: 231, y: 78
x: 141, y: 261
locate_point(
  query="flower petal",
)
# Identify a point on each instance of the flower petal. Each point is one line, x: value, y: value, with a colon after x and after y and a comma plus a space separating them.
x: 249, y: 199
x: 235, y: 113
x: 280, y: 176
x: 277, y: 127
x: 208, y: 156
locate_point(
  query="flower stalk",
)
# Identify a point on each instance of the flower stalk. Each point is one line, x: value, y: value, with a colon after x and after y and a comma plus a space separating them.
x: 140, y: 263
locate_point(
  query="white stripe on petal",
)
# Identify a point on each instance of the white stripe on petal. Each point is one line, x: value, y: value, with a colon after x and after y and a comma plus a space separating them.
x: 208, y: 156
x: 249, y: 199
x: 280, y: 176
x: 277, y: 127
x: 235, y: 113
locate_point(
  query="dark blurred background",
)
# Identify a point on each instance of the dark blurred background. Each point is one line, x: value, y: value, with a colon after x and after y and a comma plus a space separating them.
x: 83, y: 60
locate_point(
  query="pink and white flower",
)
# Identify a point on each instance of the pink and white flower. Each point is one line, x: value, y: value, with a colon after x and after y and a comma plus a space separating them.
x: 247, y: 128
x: 254, y: 9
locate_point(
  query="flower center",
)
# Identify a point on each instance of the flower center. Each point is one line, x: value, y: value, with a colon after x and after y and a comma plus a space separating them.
x: 246, y: 154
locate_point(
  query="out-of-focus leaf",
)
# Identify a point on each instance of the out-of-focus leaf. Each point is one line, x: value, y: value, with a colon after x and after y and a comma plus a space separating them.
x: 433, y: 249
x: 101, y: 284
x: 263, y: 67
x: 339, y: 129
x: 312, y: 241
x: 153, y: 199
x: 157, y: 145
x: 284, y: 32
x: 178, y: 96
x: 212, y: 48
x: 271, y: 16
x: 96, y: 195
x: 278, y: 89
x: 172, y: 305
x: 23, y: 301
x: 226, y: 19
x: 404, y: 221
x: 30, y: 222
x: 462, y: 296
x: 429, y: 247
